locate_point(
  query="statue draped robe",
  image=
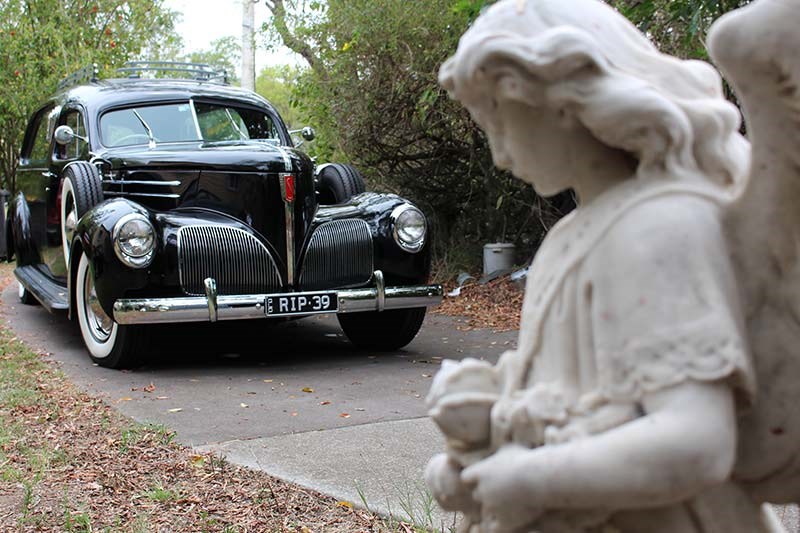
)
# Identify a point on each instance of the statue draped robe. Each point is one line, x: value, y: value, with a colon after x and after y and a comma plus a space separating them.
x: 631, y: 294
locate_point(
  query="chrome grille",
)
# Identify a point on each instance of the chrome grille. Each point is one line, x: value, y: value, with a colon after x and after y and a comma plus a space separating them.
x: 238, y: 261
x: 339, y: 255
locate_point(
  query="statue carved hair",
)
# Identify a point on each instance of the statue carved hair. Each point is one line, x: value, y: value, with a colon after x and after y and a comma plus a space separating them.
x: 673, y: 119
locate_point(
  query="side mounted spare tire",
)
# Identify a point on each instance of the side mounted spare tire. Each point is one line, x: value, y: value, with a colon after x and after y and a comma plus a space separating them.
x: 337, y: 183
x: 81, y: 189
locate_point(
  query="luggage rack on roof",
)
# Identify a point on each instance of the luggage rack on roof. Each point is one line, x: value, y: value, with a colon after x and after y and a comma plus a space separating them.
x: 136, y: 69
x: 85, y: 74
x: 196, y: 71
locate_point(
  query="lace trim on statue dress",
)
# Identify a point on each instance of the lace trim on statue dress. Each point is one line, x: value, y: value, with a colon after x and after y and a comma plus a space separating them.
x: 704, y: 350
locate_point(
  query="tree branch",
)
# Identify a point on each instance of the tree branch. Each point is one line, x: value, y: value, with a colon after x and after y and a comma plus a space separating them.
x: 278, y: 9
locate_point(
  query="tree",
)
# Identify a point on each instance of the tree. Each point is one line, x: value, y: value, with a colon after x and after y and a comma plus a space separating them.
x: 42, y: 41
x: 275, y: 83
x: 223, y: 53
x: 678, y: 27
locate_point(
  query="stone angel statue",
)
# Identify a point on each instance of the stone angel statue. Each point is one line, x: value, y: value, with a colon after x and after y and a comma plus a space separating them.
x: 656, y: 382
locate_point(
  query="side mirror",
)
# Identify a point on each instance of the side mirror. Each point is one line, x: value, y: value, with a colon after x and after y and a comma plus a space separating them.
x: 64, y: 135
x: 308, y: 133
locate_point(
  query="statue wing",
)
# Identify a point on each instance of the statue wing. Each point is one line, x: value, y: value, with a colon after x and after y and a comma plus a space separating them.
x: 758, y: 50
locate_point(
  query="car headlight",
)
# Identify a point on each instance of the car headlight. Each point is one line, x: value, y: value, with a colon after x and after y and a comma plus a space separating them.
x: 134, y: 240
x: 410, y: 227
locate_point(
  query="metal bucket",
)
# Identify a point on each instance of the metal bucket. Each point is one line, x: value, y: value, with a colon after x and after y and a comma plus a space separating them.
x: 497, y: 256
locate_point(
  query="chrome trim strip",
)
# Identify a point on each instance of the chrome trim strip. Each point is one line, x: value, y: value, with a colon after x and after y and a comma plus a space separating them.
x: 196, y: 120
x: 287, y: 161
x: 196, y: 309
x: 211, y: 295
x: 289, y: 244
x: 142, y: 194
x: 288, y: 208
x: 142, y: 182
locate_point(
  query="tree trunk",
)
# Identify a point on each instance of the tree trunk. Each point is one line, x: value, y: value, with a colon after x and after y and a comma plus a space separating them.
x: 248, y: 46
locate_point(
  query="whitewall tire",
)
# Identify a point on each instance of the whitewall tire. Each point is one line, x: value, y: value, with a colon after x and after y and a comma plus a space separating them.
x: 109, y: 344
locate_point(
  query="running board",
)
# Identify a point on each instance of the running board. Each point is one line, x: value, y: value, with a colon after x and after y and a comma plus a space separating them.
x: 51, y: 295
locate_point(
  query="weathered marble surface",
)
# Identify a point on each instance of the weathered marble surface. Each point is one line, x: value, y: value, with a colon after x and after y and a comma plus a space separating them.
x: 656, y: 376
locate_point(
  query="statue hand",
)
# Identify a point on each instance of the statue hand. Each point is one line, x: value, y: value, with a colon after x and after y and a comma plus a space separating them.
x: 443, y: 476
x: 502, y: 487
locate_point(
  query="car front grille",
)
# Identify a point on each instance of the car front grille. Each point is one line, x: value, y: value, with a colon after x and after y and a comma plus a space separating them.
x: 339, y: 255
x: 238, y: 261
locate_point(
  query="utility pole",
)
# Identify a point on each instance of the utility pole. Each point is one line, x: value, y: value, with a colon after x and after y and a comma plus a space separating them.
x: 248, y: 45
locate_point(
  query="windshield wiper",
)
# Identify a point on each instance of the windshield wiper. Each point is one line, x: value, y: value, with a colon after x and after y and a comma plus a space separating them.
x: 236, y: 127
x: 152, y: 143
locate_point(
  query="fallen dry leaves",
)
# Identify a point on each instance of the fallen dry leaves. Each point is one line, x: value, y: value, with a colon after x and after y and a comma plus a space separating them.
x: 101, y: 466
x: 496, y: 305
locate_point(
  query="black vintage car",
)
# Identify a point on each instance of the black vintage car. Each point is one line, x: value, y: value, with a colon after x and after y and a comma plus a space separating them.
x: 149, y: 201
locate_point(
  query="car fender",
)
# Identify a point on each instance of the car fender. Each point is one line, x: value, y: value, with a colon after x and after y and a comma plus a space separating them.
x: 93, y: 237
x: 398, y: 266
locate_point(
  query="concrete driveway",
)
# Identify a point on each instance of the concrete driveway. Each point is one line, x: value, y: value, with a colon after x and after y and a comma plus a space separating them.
x: 294, y: 399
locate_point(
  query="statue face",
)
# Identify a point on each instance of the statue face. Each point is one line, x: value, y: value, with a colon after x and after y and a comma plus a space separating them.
x: 536, y: 144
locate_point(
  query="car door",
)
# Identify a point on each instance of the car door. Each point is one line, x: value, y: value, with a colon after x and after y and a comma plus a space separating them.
x: 32, y: 179
x: 76, y: 150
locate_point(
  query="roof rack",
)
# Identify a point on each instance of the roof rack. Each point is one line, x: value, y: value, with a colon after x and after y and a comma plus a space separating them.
x: 196, y: 71
x: 85, y: 74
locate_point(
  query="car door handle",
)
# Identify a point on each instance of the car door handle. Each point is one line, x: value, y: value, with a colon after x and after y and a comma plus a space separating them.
x: 48, y: 174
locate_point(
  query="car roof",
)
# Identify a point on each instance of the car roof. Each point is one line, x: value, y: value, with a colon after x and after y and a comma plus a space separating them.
x: 103, y: 94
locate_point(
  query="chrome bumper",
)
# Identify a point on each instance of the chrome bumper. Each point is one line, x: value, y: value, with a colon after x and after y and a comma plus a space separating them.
x: 212, y: 307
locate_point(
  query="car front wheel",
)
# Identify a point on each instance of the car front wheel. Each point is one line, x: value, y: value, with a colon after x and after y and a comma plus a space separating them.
x: 109, y: 344
x: 383, y: 331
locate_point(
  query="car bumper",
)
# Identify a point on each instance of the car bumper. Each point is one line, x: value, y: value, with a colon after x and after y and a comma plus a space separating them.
x: 211, y: 308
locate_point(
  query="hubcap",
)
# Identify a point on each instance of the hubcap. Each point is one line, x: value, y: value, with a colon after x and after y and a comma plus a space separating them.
x: 100, y: 324
x: 20, y: 290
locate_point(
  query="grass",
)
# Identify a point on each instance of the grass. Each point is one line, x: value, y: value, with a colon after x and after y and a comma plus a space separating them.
x: 160, y: 494
x: 418, y: 510
x: 137, y: 433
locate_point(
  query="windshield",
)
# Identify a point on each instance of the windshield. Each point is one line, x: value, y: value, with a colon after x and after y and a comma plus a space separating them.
x: 180, y: 123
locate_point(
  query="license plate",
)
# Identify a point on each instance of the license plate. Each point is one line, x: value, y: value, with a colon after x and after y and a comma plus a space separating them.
x: 310, y: 303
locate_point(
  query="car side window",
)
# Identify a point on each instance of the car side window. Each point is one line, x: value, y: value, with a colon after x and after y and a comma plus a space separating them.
x: 38, y: 154
x: 76, y: 148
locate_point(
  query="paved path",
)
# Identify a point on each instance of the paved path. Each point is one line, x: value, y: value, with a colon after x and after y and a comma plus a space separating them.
x: 240, y: 391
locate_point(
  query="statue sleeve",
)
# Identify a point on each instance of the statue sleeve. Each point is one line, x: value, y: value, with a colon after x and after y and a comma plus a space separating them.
x: 663, y: 302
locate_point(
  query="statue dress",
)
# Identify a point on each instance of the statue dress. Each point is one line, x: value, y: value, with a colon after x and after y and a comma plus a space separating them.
x: 582, y: 353
x: 656, y: 376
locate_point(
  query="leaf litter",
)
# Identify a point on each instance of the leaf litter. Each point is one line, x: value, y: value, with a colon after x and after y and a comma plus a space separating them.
x: 496, y: 305
x: 103, y: 469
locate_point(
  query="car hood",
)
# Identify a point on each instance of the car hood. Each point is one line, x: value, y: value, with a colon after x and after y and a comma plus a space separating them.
x: 241, y: 156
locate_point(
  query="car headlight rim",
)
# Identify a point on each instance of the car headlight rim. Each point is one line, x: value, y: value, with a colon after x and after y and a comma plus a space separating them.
x: 124, y: 250
x: 403, y: 222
